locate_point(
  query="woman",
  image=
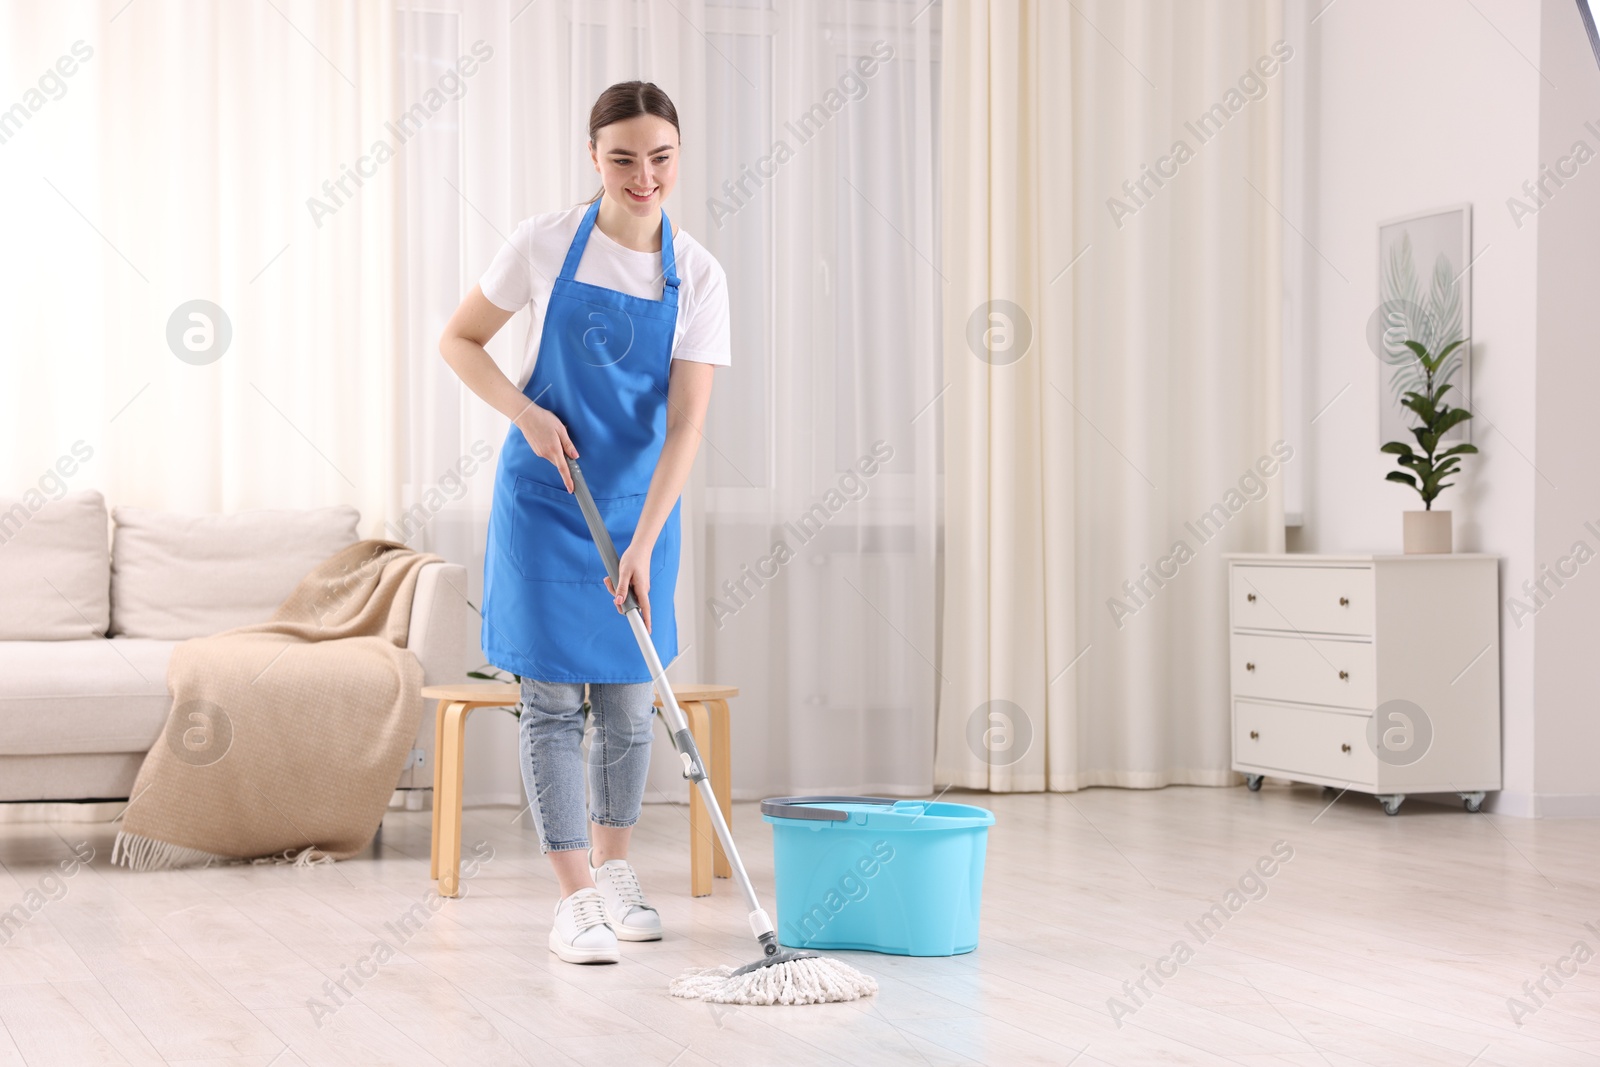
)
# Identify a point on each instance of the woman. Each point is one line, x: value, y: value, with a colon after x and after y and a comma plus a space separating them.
x: 630, y: 319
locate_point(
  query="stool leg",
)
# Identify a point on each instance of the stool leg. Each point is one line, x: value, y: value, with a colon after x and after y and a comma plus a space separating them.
x: 701, y: 835
x: 721, y: 771
x: 455, y: 729
x: 438, y: 762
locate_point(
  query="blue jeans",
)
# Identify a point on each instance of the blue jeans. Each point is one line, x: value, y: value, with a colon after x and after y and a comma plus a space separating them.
x: 550, y: 732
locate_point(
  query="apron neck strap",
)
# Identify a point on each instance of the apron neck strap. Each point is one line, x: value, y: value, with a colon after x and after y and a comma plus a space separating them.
x: 669, y: 260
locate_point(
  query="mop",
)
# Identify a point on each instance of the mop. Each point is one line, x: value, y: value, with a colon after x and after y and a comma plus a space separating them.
x: 780, y: 976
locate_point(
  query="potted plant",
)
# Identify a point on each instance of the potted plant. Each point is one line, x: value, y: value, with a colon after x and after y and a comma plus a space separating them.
x: 1428, y: 530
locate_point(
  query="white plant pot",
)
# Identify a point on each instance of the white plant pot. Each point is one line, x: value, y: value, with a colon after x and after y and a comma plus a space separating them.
x: 1427, y: 532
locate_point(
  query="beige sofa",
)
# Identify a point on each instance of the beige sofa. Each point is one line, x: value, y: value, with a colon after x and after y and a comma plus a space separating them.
x: 87, y: 623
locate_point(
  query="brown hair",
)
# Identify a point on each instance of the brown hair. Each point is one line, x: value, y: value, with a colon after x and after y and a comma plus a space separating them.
x: 626, y: 100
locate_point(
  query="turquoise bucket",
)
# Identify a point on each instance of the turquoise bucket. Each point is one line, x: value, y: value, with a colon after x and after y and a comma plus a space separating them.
x: 903, y: 877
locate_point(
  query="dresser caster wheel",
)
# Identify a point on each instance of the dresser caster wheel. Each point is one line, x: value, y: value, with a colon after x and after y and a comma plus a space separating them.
x: 1473, y: 802
x: 1391, y: 802
x: 1253, y: 782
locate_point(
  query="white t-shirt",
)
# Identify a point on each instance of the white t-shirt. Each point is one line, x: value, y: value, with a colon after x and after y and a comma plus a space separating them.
x: 525, y: 269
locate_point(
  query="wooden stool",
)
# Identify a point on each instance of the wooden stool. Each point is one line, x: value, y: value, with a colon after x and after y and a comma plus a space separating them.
x: 706, y: 708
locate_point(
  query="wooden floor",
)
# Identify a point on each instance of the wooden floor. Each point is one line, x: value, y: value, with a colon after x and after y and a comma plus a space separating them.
x: 1389, y: 941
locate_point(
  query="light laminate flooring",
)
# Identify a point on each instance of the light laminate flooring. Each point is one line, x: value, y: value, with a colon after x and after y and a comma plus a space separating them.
x: 1397, y: 942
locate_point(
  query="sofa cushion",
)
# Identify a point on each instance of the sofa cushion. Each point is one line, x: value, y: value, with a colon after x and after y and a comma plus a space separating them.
x: 55, y: 568
x: 95, y: 695
x: 178, y: 576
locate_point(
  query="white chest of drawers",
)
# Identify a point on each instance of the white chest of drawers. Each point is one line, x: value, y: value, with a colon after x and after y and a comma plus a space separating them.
x: 1377, y: 674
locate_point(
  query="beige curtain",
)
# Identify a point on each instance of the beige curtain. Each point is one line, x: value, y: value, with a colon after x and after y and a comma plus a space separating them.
x: 1112, y: 401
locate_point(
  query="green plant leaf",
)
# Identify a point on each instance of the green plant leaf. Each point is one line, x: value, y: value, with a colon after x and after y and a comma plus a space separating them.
x: 1423, y: 406
x: 1407, y: 375
x: 1398, y: 448
x: 1401, y: 476
x: 1463, y: 450
x: 1444, y: 353
x: 1448, y: 418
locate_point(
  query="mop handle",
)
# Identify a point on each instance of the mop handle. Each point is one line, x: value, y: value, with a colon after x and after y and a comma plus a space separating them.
x: 597, y: 530
x: 677, y: 721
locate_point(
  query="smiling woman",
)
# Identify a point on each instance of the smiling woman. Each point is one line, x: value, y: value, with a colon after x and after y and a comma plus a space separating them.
x: 618, y: 369
x: 634, y: 174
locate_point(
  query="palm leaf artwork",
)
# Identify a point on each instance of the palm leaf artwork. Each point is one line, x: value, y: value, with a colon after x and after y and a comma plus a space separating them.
x: 1434, y: 322
x: 1445, y: 308
x: 1405, y: 319
x: 1426, y: 470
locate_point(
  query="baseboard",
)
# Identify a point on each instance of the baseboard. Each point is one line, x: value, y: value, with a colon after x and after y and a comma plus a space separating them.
x: 1569, y: 805
x: 1544, y: 805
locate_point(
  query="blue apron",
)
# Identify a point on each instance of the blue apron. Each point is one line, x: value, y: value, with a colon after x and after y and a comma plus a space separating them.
x: 602, y: 369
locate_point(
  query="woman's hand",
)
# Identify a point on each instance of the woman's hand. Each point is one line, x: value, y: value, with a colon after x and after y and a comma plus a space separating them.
x: 633, y: 572
x: 548, y: 438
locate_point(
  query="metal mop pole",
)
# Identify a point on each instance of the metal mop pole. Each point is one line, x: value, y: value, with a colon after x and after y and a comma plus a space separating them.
x: 677, y: 722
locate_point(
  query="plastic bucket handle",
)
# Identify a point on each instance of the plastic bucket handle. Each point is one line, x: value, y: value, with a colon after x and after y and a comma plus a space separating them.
x: 799, y: 807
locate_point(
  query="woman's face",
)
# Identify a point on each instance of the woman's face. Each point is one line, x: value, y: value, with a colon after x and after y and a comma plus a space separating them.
x: 634, y: 156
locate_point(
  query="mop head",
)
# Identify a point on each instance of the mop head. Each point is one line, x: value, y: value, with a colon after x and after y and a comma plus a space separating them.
x: 807, y: 980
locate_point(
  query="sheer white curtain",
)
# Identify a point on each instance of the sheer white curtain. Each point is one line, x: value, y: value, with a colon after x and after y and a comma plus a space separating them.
x: 809, y: 168
x: 177, y: 162
x: 185, y: 158
x: 1127, y: 389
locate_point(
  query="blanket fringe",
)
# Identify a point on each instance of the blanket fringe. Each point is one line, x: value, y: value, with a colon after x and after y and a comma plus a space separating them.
x: 139, y: 853
x: 310, y: 856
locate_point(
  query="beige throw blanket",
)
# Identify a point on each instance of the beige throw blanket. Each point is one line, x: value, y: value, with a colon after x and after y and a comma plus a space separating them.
x: 286, y: 737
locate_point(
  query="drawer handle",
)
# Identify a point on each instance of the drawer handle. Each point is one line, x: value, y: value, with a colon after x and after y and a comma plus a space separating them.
x: 1249, y: 666
x: 1254, y: 736
x: 1344, y: 602
x: 1344, y: 748
x: 1344, y: 676
x: 1251, y: 597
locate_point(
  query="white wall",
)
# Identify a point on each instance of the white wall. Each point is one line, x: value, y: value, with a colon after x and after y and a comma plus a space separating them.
x: 1412, y: 106
x: 1567, y: 625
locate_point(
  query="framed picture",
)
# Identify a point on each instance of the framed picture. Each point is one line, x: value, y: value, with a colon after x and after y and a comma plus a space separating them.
x: 1425, y: 295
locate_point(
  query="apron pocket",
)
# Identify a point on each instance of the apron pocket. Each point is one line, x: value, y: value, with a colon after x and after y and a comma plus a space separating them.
x: 550, y: 541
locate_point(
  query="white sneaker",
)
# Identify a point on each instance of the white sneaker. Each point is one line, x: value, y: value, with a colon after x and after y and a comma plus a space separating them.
x: 580, y: 933
x: 629, y: 915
